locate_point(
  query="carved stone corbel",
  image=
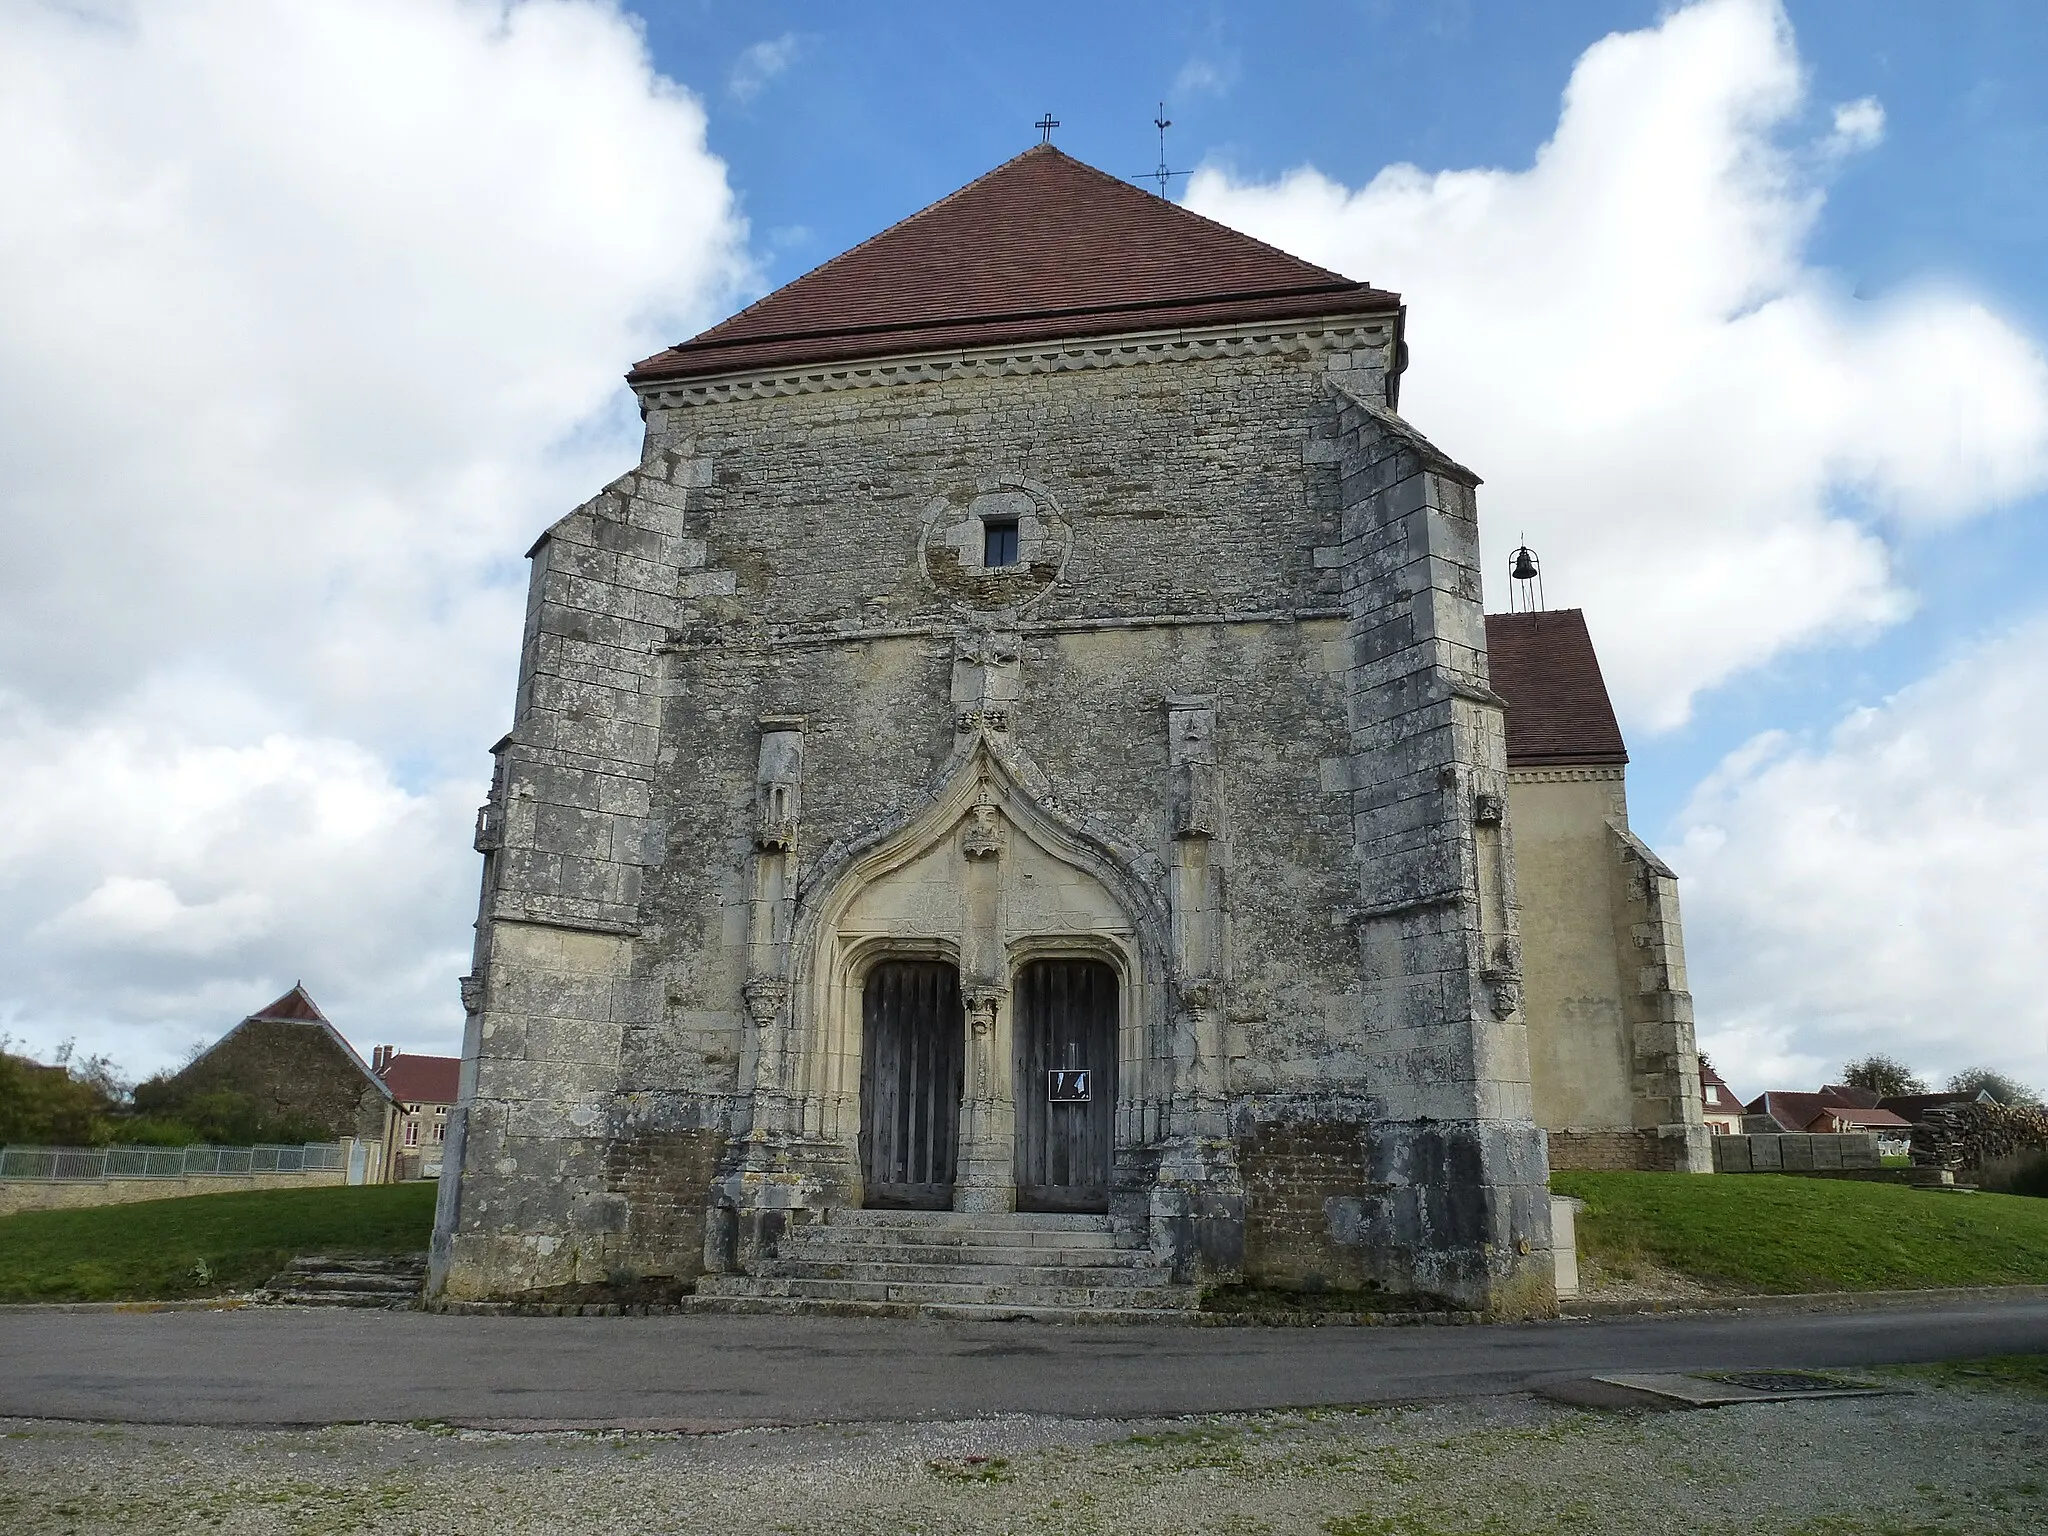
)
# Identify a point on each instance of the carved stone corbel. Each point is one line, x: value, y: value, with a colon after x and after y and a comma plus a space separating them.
x: 765, y: 996
x: 983, y: 835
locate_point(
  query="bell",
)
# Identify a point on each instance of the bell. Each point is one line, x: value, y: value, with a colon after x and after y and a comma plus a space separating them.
x: 1525, y: 565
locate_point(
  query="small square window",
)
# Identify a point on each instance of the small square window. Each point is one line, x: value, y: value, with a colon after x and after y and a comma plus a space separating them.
x: 998, y: 543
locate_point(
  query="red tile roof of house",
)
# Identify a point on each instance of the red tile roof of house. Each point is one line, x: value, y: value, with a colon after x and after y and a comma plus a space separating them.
x: 1715, y: 1095
x: 423, y: 1079
x: 295, y: 1007
x: 1806, y: 1111
x: 1041, y: 247
x: 1558, y: 710
x: 1792, y: 1111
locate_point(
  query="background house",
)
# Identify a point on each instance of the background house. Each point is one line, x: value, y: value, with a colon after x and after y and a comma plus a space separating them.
x: 283, y: 1074
x: 422, y: 1090
x: 1719, y: 1107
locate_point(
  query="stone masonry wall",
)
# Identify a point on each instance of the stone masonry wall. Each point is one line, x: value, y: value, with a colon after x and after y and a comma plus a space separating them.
x: 1641, y: 1151
x: 290, y: 1068
x: 1233, y: 523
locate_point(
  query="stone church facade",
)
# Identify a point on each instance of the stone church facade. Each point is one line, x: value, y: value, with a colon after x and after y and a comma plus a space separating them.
x: 1015, y: 763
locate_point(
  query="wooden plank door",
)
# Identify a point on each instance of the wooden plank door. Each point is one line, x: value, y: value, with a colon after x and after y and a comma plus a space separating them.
x: 913, y: 1058
x: 1065, y: 1031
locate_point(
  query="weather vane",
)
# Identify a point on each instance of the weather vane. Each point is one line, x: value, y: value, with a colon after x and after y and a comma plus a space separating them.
x: 1045, y: 126
x: 1162, y: 175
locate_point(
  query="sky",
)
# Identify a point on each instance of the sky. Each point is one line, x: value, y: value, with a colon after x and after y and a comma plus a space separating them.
x: 313, y: 316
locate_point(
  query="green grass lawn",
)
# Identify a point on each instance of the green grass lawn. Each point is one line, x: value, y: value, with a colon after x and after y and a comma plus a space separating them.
x: 201, y: 1245
x: 1772, y: 1233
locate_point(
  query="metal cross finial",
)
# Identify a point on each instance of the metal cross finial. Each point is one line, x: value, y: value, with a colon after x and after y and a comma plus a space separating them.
x: 1045, y: 126
x: 1162, y: 175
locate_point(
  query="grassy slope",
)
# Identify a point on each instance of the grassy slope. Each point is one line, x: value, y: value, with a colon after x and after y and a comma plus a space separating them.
x: 153, y: 1250
x: 1766, y: 1232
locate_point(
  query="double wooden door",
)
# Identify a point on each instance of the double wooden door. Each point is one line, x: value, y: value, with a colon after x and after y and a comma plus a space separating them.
x: 1065, y: 1032
x: 912, y: 1067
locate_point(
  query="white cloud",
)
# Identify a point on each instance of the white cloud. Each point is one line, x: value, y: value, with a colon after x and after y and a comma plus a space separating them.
x: 1206, y: 77
x: 162, y: 853
x: 310, y: 317
x: 761, y: 62
x: 1885, y: 888
x: 1859, y: 125
x: 1703, y: 438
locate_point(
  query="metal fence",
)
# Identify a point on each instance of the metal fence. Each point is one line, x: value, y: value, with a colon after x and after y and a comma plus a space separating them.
x: 164, y: 1162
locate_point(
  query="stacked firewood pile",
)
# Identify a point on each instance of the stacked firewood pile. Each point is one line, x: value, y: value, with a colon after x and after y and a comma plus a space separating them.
x: 1970, y: 1135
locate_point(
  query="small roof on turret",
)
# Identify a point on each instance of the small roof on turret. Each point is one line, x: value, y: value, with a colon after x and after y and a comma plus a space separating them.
x: 1041, y: 247
x: 1543, y: 664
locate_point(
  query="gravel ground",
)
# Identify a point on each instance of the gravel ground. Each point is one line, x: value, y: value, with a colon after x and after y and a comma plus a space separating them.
x: 1939, y: 1458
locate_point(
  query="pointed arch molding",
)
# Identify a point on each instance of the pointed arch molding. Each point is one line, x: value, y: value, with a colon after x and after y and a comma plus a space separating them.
x: 821, y: 966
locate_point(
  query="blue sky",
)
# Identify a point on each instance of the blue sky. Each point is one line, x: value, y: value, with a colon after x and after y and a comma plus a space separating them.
x: 1740, y: 309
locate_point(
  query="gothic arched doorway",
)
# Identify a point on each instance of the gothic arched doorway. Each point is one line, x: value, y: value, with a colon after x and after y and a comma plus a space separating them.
x: 1065, y: 1036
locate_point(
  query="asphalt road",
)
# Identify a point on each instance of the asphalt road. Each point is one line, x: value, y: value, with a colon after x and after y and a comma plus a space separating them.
x: 302, y: 1366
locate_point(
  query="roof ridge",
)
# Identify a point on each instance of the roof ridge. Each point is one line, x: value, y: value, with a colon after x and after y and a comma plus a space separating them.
x: 880, y: 327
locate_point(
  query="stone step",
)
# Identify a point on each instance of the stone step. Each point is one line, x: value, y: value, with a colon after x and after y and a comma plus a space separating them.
x: 402, y: 1267
x: 932, y: 1293
x: 326, y: 1280
x: 784, y: 1306
x: 970, y: 1221
x: 389, y: 1285
x: 846, y: 1252
x: 951, y: 1238
x: 383, y: 1299
x: 1037, y: 1276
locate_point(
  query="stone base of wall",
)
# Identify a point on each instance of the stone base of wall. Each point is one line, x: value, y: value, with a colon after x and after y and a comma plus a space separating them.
x: 1453, y: 1210
x: 665, y: 1177
x: 1303, y: 1187
x: 1631, y: 1151
x: 73, y: 1194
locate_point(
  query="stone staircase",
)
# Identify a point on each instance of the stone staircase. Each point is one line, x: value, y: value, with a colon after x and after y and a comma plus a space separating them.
x: 315, y: 1280
x: 953, y: 1264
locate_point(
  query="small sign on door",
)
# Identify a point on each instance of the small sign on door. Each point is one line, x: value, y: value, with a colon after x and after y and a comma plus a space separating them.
x: 1069, y: 1085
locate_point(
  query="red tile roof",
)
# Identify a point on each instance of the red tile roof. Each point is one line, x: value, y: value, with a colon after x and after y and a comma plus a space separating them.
x: 1041, y: 247
x: 1715, y: 1095
x: 1812, y: 1111
x: 295, y: 1007
x: 1558, y: 710
x: 422, y: 1079
x: 1792, y: 1111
